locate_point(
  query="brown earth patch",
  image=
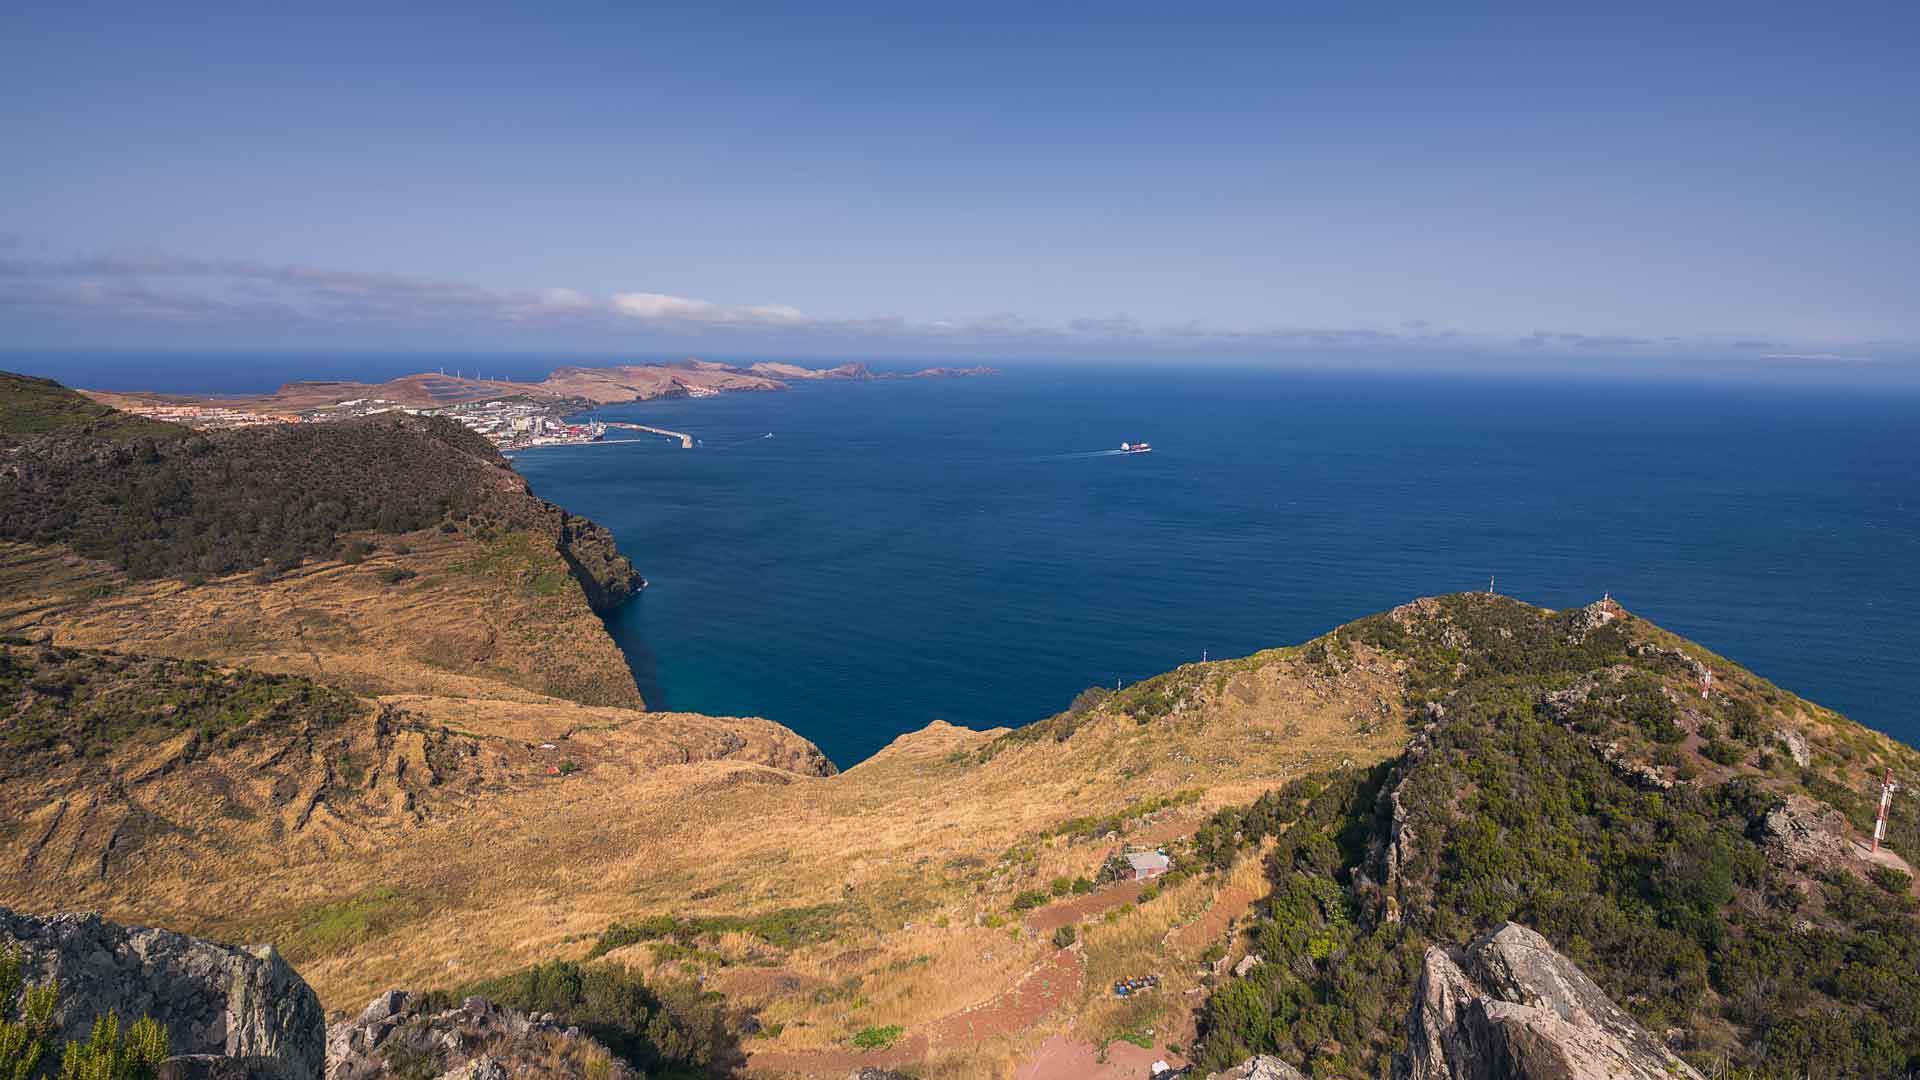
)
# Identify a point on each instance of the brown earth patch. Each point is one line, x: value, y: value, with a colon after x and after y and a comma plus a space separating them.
x: 1081, y: 908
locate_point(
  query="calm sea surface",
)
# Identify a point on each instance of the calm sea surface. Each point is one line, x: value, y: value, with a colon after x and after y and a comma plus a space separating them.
x: 899, y: 552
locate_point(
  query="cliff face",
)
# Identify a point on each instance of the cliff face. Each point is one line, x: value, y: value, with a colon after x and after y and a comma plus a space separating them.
x: 604, y: 574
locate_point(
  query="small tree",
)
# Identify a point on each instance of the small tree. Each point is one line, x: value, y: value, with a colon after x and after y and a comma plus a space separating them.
x: 109, y: 1055
x: 26, y: 1031
x: 1064, y: 936
x: 23, y: 1032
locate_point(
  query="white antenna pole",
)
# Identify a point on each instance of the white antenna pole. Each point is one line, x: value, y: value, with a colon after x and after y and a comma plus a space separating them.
x: 1886, y: 800
x: 1489, y: 586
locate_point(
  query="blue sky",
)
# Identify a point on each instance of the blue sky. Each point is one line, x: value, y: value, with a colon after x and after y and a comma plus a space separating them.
x: 1728, y: 187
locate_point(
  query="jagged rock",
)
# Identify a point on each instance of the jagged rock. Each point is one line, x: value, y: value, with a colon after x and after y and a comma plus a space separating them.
x: 871, y: 1073
x: 216, y: 1001
x: 1590, y: 618
x: 1263, y: 1067
x: 1800, y: 831
x: 1512, y: 1008
x: 400, y: 1033
x: 1796, y: 745
x: 1247, y: 963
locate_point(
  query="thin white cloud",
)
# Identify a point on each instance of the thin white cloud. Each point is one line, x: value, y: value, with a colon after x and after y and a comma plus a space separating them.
x: 660, y: 307
x: 1819, y: 358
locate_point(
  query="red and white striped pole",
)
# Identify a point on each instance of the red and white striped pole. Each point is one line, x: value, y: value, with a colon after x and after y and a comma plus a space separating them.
x: 1886, y: 800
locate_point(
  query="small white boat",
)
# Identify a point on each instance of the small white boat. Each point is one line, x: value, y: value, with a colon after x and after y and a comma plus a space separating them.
x: 1136, y: 448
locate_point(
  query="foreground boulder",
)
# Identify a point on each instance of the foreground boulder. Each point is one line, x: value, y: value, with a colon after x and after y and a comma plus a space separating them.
x: 229, y: 1012
x: 1512, y: 1008
x: 403, y: 1035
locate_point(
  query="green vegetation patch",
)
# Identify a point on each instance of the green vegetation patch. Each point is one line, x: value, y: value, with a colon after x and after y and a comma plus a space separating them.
x: 1666, y: 898
x: 788, y: 928
x: 88, y: 702
x: 334, y: 927
x: 1106, y: 823
x: 200, y: 504
x: 30, y: 406
x: 878, y: 1038
x: 666, y: 1030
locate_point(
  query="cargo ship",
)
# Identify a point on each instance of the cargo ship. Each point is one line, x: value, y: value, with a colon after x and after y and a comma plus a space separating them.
x: 1136, y: 448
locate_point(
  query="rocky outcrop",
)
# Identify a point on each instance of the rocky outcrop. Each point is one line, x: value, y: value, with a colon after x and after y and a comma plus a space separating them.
x: 1799, y: 831
x: 604, y: 574
x: 1796, y: 745
x: 398, y: 1034
x: 229, y: 1012
x: 1263, y: 1067
x: 1512, y: 1008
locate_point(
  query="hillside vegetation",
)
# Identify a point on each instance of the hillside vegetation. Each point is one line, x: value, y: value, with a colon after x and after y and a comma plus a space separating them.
x: 1569, y: 774
x: 265, y: 498
x: 30, y: 406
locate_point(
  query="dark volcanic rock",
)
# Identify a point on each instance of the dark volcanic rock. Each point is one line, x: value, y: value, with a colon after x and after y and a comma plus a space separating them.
x: 217, y: 1002
x: 1512, y: 1008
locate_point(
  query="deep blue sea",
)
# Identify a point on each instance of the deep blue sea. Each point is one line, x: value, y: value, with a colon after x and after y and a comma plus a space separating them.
x: 905, y: 551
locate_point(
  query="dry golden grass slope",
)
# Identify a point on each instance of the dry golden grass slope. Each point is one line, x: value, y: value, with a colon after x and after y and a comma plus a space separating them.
x: 497, y: 795
x: 473, y: 819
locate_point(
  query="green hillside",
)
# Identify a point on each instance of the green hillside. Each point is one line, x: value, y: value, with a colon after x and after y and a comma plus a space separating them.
x: 30, y: 406
x: 1569, y: 775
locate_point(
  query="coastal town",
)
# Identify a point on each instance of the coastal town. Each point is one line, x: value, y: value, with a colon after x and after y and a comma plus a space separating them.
x: 512, y: 415
x: 510, y: 424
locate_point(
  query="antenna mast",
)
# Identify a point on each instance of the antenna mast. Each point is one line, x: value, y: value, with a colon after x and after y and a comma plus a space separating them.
x: 1886, y: 800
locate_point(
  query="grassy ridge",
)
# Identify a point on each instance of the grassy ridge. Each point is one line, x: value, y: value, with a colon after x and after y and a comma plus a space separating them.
x: 30, y: 406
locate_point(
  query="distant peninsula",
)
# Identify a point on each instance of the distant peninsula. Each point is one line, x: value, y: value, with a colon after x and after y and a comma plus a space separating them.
x: 564, y: 390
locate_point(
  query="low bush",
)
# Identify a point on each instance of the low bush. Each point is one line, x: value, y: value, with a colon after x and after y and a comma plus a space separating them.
x: 669, y: 1029
x: 878, y: 1038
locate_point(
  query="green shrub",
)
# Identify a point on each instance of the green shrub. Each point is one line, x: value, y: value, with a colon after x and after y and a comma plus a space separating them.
x: 666, y: 1028
x: 26, y: 1032
x: 1064, y: 936
x: 109, y: 1054
x: 878, y: 1038
x: 1029, y: 899
x: 786, y: 928
x: 394, y: 575
x: 1893, y: 880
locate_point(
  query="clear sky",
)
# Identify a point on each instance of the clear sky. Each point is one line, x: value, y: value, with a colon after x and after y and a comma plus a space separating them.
x: 1731, y: 186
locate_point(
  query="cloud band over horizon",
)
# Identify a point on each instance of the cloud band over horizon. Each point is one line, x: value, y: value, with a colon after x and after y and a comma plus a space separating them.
x: 131, y: 289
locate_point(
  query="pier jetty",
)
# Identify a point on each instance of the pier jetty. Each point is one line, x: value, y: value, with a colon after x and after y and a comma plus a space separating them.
x: 686, y: 440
